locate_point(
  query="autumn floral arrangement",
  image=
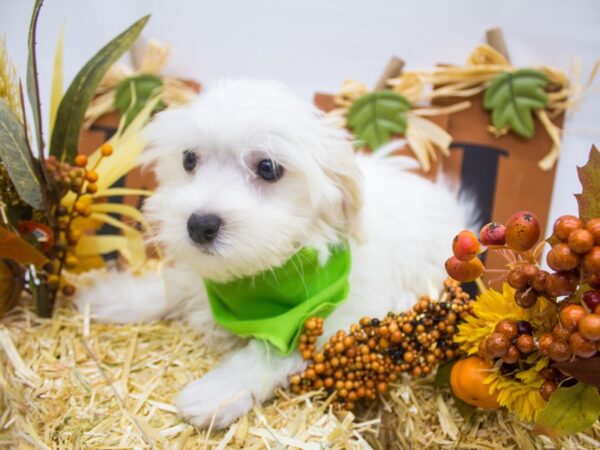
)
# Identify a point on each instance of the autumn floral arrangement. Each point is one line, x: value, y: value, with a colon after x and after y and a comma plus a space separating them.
x: 531, y: 347
x: 53, y: 199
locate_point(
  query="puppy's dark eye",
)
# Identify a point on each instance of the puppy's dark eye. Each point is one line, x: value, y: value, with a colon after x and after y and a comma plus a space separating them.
x: 190, y: 159
x: 269, y: 170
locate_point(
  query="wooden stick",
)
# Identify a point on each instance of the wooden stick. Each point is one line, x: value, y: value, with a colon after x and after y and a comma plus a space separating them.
x: 495, y: 39
x: 393, y: 69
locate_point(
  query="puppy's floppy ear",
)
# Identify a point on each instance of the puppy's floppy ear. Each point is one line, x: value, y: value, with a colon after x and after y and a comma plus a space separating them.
x: 347, y: 179
x: 343, y: 172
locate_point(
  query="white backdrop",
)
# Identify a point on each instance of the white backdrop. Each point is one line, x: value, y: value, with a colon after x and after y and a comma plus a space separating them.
x: 316, y: 44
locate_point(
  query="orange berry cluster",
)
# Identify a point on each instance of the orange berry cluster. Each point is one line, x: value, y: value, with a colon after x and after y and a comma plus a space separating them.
x: 520, y: 233
x: 574, y: 287
x: 359, y: 364
x: 81, y: 180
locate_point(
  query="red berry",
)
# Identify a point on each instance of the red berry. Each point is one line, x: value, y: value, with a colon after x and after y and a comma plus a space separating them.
x: 561, y: 283
x: 517, y: 279
x: 538, y: 282
x: 483, y: 350
x: 591, y: 260
x: 530, y: 270
x: 565, y: 225
x: 524, y: 327
x: 547, y: 389
x: 522, y: 231
x: 464, y: 271
x: 593, y: 226
x: 525, y: 344
x: 492, y: 234
x: 559, y: 351
x: 594, y: 281
x: 465, y: 245
x: 589, y: 327
x: 526, y: 298
x: 544, y: 343
x: 560, y: 333
x: 570, y: 315
x: 497, y: 345
x: 581, y: 241
x: 507, y: 327
x: 561, y: 258
x: 512, y: 355
x: 582, y: 347
x: 591, y: 299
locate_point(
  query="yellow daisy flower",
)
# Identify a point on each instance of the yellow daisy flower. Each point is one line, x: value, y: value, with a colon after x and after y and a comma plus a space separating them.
x: 520, y: 394
x: 493, y: 306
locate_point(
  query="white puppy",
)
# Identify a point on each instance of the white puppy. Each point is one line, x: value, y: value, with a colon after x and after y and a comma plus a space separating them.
x: 248, y: 175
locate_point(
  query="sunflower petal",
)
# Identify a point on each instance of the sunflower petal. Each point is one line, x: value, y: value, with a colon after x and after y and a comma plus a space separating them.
x: 119, y: 208
x: 112, y: 192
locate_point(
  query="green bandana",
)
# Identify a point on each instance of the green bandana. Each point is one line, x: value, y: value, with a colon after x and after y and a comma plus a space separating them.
x: 274, y: 304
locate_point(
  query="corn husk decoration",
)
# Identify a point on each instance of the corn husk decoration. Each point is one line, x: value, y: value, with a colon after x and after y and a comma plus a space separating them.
x: 174, y: 91
x: 483, y: 65
x: 423, y: 136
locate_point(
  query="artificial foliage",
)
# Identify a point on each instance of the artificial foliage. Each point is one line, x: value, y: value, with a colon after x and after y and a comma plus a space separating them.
x: 513, y: 97
x: 22, y: 167
x: 134, y: 92
x: 589, y: 176
x: 76, y: 99
x: 53, y: 201
x: 570, y: 410
x: 377, y: 116
x: 541, y: 333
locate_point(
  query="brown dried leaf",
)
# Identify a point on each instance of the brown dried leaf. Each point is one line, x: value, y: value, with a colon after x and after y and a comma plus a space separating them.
x: 589, y: 175
x: 585, y: 370
x: 13, y: 246
x: 11, y: 285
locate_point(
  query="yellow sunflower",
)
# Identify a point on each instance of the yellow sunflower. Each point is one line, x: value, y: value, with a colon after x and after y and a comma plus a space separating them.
x: 520, y: 394
x: 493, y: 306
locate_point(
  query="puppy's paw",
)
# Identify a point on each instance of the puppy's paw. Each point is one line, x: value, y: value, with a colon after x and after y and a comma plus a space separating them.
x: 219, y: 394
x: 124, y: 298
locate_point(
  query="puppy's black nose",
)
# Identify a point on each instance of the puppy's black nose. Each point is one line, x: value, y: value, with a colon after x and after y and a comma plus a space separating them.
x: 203, y: 228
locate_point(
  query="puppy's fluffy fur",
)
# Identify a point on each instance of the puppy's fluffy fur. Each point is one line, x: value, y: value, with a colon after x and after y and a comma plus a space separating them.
x: 399, y: 225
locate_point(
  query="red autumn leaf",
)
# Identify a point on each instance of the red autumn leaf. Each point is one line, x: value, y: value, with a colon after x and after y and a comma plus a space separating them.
x: 13, y: 246
x: 585, y: 370
x: 589, y: 176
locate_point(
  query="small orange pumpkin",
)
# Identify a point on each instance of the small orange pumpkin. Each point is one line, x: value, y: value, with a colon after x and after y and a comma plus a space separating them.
x: 466, y: 380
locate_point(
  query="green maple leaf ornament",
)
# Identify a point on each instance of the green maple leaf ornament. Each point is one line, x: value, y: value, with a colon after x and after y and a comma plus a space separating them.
x: 376, y: 116
x: 513, y: 97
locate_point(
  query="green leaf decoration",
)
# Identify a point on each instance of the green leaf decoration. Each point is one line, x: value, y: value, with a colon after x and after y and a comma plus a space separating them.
x: 570, y: 410
x: 16, y: 158
x: 33, y: 90
x: 513, y: 97
x: 74, y: 103
x: 442, y: 376
x: 589, y: 176
x: 376, y: 116
x: 134, y: 92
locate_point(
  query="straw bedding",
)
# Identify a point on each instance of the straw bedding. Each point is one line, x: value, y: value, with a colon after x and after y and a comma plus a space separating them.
x: 68, y: 383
